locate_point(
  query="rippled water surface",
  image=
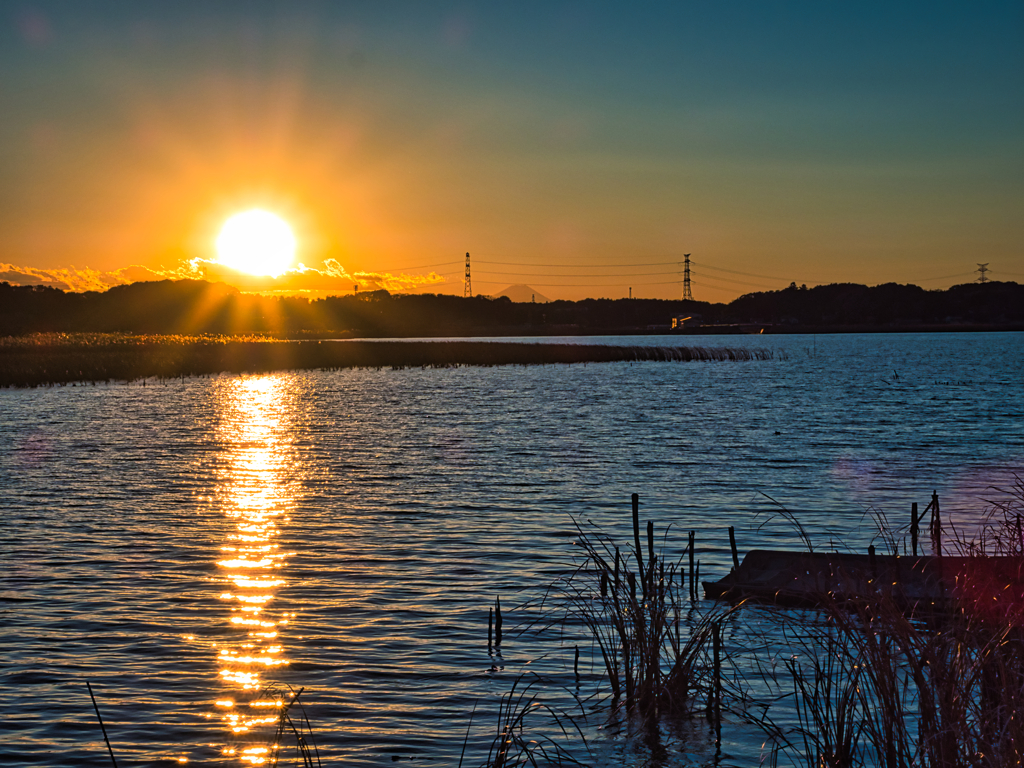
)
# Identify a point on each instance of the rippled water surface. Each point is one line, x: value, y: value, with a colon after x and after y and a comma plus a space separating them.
x: 184, y: 544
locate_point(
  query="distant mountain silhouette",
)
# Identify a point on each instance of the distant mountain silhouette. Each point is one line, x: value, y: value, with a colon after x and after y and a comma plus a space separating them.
x: 523, y: 294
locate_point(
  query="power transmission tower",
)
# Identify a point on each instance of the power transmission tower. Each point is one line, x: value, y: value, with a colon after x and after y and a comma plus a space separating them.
x: 468, y: 291
x: 686, y: 278
x: 982, y: 269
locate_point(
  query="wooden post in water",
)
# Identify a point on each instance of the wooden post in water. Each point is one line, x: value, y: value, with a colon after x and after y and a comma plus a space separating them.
x: 497, y: 622
x: 490, y: 620
x: 732, y: 545
x: 913, y: 528
x: 936, y: 525
x: 576, y: 665
x: 693, y: 590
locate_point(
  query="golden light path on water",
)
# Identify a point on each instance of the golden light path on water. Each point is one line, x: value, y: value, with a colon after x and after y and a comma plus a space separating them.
x: 257, y: 496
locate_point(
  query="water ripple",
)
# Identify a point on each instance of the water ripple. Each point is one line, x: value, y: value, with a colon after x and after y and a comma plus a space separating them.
x: 366, y: 520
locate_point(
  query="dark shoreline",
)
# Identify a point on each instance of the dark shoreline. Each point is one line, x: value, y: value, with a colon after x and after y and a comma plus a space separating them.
x: 845, y: 329
x: 202, y: 307
x: 732, y: 329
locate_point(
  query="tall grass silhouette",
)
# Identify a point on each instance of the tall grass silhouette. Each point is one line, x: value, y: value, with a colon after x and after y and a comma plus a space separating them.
x: 634, y: 605
x: 875, y: 684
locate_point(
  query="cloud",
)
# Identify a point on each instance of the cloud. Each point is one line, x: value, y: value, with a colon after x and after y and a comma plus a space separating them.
x: 79, y: 280
x: 330, y: 279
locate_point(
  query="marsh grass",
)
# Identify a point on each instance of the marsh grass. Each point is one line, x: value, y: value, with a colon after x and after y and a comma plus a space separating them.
x: 634, y: 606
x: 881, y: 689
x: 56, y: 359
x: 876, y: 685
x: 524, y: 720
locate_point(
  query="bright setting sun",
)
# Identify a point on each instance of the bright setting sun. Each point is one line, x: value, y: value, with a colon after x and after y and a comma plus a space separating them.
x: 256, y: 242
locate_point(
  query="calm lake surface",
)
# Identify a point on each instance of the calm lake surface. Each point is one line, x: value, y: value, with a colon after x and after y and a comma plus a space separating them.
x: 183, y: 544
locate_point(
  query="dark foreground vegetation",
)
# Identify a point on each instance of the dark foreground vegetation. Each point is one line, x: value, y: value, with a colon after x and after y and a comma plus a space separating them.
x: 861, y: 681
x: 48, y: 359
x: 199, y: 307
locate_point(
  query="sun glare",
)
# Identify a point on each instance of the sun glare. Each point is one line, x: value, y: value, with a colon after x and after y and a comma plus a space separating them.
x: 256, y: 242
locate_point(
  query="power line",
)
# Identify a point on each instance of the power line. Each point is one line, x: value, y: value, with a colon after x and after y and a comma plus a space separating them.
x: 575, y: 274
x: 568, y: 266
x: 734, y: 282
x: 944, y: 277
x: 422, y: 266
x: 816, y: 282
x: 698, y: 275
x: 751, y: 274
x: 579, y: 285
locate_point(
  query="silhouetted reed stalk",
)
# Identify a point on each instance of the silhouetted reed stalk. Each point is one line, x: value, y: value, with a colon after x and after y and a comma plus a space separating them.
x: 943, y: 693
x: 519, y: 738
x: 266, y: 742
x: 54, y: 359
x: 103, y: 728
x: 303, y: 732
x: 826, y: 702
x: 634, y: 606
x: 874, y: 685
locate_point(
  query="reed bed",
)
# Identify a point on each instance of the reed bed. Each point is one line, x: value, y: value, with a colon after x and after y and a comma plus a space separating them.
x: 633, y: 604
x: 874, y: 685
x: 862, y: 682
x: 56, y: 359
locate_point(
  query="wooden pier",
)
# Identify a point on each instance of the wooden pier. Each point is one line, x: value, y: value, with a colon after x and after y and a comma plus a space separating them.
x: 988, y: 586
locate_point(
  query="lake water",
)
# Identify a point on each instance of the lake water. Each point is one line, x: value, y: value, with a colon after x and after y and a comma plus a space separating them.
x: 183, y: 544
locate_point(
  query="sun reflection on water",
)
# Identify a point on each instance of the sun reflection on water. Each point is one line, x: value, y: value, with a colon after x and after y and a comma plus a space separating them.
x: 257, y: 496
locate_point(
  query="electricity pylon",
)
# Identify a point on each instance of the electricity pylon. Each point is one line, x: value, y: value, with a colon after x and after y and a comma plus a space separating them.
x: 686, y: 278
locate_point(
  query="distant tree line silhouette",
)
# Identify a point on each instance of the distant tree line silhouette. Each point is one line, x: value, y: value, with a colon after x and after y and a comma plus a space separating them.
x: 198, y: 307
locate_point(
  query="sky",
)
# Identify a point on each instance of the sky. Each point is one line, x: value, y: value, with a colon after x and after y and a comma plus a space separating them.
x: 581, y: 148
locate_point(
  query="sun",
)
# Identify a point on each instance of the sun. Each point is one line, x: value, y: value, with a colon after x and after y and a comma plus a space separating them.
x: 256, y: 242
